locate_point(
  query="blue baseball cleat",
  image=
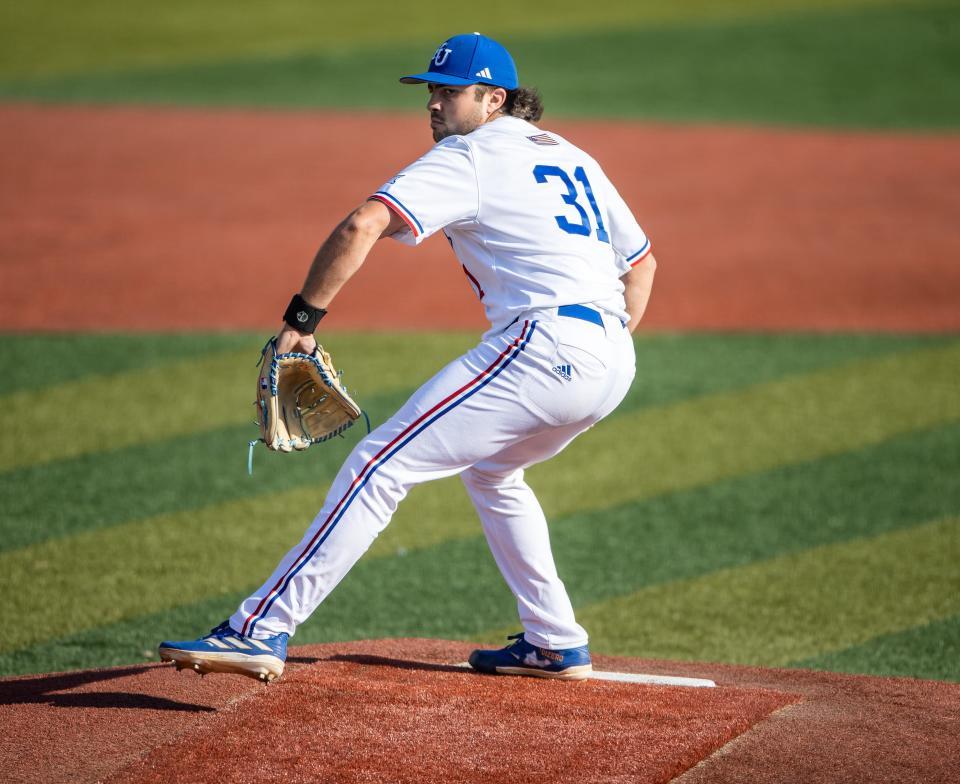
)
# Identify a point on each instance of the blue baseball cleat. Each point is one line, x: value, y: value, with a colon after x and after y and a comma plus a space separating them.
x: 522, y: 658
x: 224, y: 650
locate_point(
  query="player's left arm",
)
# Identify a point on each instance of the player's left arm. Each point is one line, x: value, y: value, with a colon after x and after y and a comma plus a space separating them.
x: 633, y: 250
x: 638, y: 283
x: 337, y: 261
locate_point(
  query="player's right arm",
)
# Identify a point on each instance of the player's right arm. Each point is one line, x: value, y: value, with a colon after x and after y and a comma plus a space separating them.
x: 638, y: 283
x: 337, y: 261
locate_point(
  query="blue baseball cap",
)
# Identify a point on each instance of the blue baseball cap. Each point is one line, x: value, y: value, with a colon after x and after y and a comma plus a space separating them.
x: 469, y: 59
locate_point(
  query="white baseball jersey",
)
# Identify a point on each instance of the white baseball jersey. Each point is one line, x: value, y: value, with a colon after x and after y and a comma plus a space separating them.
x: 532, y: 218
x: 537, y: 226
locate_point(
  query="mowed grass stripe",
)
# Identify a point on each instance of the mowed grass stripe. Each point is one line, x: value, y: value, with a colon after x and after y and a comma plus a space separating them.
x: 198, y: 469
x: 33, y: 362
x: 659, y: 450
x: 163, y: 477
x: 889, y: 67
x: 794, y: 606
x: 105, y: 575
x: 608, y: 553
x: 110, y: 412
x: 928, y: 651
x: 678, y: 366
x: 130, y: 641
x: 205, y: 393
x: 894, y: 66
x: 690, y: 444
x: 58, y: 36
x: 454, y: 589
x: 434, y: 591
x: 101, y: 576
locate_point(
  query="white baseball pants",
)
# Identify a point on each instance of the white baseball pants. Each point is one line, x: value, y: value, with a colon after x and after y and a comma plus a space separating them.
x: 516, y: 399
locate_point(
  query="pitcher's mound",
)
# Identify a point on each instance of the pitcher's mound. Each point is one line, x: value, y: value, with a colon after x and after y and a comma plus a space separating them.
x: 402, y: 711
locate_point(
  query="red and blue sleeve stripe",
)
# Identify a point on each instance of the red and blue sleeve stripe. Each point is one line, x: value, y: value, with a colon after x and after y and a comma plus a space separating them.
x: 634, y: 259
x: 398, y: 207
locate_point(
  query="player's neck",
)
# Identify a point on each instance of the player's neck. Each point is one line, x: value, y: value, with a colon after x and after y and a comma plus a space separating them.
x: 498, y: 114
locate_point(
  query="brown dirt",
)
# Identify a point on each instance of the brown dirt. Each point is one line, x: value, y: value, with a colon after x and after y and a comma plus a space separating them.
x: 83, y: 726
x: 396, y: 710
x: 129, y: 218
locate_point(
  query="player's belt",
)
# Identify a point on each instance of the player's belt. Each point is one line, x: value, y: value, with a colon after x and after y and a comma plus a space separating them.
x: 581, y: 312
x: 578, y: 312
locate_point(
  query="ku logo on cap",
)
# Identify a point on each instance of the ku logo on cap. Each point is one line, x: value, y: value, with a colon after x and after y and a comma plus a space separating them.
x: 441, y: 55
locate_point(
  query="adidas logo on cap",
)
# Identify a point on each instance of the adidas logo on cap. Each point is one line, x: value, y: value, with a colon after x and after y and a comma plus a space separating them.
x: 484, y: 74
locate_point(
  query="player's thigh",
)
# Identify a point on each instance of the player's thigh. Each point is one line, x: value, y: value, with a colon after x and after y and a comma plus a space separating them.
x: 466, y: 412
x: 533, y: 449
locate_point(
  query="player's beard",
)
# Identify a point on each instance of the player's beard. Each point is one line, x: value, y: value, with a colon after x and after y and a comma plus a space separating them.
x: 443, y: 131
x: 445, y: 128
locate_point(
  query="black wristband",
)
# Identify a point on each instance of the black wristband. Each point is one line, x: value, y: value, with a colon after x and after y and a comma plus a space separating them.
x: 303, y: 316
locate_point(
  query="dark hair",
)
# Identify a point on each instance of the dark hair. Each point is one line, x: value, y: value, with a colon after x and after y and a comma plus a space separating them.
x: 524, y: 102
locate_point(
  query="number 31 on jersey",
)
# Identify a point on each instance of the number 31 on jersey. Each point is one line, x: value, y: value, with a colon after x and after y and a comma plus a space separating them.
x: 543, y: 171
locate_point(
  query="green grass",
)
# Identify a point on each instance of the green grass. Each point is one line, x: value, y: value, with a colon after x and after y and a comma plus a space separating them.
x: 777, y: 610
x: 34, y: 362
x: 764, y: 473
x: 156, y: 398
x: 877, y: 66
x: 774, y: 499
x: 59, y: 36
x: 167, y: 473
x: 678, y: 536
x: 927, y: 651
x: 760, y: 427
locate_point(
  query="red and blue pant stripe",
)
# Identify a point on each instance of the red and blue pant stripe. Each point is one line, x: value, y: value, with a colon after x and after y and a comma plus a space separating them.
x: 406, y: 435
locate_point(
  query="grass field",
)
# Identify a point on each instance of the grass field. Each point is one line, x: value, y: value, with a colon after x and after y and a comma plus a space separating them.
x: 787, y: 63
x: 770, y: 499
x: 766, y: 499
x: 57, y: 36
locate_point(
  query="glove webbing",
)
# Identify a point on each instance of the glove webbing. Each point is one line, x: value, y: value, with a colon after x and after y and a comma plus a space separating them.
x: 273, y: 388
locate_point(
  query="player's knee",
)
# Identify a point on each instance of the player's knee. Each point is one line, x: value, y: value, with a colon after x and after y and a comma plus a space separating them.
x: 481, y: 479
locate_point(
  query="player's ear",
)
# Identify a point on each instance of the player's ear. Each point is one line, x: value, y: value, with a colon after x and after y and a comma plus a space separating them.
x: 498, y: 97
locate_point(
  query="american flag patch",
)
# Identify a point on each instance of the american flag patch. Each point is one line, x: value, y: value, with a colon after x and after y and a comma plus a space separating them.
x: 543, y: 138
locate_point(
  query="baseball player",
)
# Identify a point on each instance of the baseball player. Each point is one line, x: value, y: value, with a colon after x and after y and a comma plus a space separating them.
x: 564, y: 273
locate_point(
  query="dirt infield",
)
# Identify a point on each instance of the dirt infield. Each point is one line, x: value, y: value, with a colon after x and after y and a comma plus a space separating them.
x: 126, y: 218
x: 399, y: 711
